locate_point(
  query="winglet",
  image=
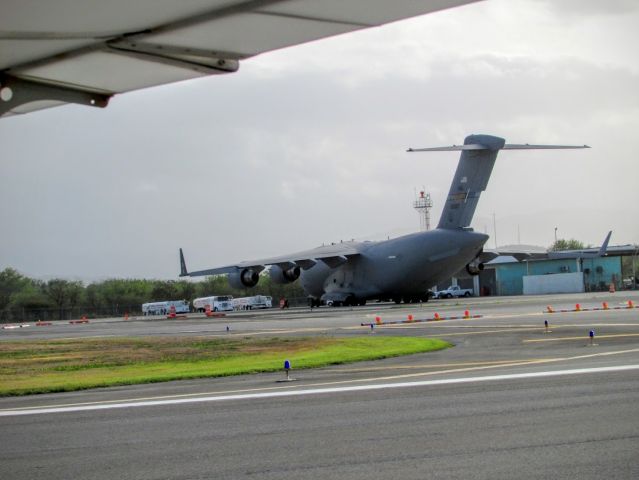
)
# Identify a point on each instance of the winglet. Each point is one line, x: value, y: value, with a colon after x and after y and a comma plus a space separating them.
x: 604, y: 246
x: 183, y: 271
x: 581, y: 253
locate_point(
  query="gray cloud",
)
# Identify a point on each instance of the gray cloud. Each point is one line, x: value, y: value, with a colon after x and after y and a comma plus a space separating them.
x: 289, y: 153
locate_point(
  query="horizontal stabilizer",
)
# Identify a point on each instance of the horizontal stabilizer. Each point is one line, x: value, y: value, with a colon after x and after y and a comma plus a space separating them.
x: 508, y: 146
x: 452, y: 148
x: 478, y: 155
x: 514, y: 146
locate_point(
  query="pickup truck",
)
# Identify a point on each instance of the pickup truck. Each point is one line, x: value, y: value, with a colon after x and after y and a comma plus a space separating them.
x: 454, y: 291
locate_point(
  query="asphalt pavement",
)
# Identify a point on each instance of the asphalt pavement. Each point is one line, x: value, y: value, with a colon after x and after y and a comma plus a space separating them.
x: 512, y: 399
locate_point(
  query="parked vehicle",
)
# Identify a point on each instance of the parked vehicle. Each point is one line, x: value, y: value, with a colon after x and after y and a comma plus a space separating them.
x: 163, y: 308
x: 221, y: 303
x: 454, y: 291
x: 249, y: 303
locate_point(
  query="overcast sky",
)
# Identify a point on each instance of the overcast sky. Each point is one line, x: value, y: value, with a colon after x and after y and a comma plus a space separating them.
x: 306, y: 145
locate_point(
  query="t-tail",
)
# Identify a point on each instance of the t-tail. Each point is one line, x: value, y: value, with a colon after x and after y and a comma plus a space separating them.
x: 478, y: 155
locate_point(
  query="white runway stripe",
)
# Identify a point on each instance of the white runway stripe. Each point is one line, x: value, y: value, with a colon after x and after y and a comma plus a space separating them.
x: 314, y: 391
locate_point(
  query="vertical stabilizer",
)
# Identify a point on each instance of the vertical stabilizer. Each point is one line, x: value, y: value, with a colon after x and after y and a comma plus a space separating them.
x: 478, y: 156
x: 471, y: 178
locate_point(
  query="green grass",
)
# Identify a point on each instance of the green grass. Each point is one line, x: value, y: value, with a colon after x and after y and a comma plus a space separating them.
x: 28, y: 367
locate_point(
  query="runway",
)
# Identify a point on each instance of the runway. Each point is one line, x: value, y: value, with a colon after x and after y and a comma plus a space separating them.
x: 509, y: 400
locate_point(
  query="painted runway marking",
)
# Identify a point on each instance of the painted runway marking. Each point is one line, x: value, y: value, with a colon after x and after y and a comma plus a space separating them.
x: 482, y: 366
x: 319, y: 391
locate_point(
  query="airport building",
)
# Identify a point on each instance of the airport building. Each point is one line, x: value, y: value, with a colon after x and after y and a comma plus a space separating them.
x: 507, y: 276
x: 554, y: 276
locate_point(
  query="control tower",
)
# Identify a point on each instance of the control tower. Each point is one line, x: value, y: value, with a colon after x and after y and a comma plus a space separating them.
x: 423, y: 204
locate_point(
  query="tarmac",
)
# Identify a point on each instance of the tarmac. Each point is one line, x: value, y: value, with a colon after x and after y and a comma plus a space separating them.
x: 513, y: 398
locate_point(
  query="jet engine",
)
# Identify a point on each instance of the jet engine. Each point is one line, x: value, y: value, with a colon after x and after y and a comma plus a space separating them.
x: 245, y: 278
x: 473, y: 268
x: 281, y: 276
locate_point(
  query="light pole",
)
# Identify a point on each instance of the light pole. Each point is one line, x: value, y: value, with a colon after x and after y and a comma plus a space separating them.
x: 634, y: 267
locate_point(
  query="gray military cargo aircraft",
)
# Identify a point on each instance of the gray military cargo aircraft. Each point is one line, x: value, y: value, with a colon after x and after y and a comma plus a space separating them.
x: 403, y: 268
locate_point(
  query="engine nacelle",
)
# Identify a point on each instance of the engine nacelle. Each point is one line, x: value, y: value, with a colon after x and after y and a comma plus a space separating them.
x: 280, y: 276
x: 245, y: 278
x: 474, y: 268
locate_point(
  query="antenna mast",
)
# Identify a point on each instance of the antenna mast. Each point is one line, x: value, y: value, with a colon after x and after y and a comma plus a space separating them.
x: 423, y: 204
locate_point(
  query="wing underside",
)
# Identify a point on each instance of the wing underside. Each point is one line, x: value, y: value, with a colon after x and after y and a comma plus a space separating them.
x: 85, y: 51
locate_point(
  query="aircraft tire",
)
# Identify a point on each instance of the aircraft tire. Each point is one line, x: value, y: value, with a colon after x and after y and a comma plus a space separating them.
x: 397, y: 300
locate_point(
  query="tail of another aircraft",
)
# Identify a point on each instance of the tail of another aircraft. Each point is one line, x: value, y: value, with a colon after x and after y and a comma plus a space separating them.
x: 183, y: 271
x: 478, y: 156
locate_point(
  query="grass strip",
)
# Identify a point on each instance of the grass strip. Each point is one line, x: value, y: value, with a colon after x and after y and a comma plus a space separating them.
x: 28, y: 367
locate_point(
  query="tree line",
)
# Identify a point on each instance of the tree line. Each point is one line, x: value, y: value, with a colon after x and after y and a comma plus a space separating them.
x: 24, y: 298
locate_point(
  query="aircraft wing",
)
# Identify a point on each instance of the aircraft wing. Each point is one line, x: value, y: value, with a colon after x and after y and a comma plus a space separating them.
x: 332, y: 255
x: 86, y: 51
x: 518, y: 253
x: 534, y: 253
x: 587, y: 253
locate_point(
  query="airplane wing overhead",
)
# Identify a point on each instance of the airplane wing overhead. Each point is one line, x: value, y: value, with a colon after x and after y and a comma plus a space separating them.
x: 86, y: 51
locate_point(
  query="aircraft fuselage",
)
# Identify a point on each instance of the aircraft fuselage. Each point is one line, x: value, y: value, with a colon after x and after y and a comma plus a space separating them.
x: 400, y: 268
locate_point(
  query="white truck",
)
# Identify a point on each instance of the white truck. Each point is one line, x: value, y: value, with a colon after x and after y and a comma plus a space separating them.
x: 454, y: 291
x: 249, y: 303
x: 164, y: 308
x: 217, y: 303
